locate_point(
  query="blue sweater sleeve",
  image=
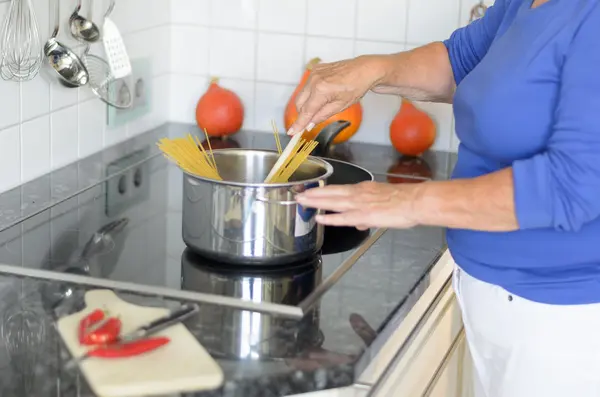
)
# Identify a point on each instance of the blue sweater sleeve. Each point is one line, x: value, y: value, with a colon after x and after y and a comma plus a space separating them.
x: 468, y: 45
x: 560, y: 187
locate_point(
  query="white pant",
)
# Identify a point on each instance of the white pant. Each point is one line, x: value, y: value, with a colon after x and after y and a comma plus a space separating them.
x: 522, y: 348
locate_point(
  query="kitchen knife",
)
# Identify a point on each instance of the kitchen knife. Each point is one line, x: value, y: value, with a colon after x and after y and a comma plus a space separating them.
x: 174, y: 317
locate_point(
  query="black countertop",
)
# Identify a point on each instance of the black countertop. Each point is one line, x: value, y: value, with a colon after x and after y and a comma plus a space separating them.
x: 327, y: 348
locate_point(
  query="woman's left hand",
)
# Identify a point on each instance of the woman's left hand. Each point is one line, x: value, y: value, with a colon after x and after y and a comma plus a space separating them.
x: 364, y: 205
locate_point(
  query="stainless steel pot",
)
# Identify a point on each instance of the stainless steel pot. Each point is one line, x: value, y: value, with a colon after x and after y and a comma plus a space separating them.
x: 241, y: 335
x: 241, y: 220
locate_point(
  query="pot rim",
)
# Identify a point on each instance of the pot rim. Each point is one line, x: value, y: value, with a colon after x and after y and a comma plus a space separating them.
x: 327, y: 160
x: 328, y: 172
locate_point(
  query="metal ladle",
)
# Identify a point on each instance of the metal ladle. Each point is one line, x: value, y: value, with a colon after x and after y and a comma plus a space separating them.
x: 83, y: 29
x: 71, y: 71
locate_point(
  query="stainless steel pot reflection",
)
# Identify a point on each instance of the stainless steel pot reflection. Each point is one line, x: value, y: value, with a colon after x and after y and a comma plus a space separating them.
x: 245, y: 221
x: 244, y: 335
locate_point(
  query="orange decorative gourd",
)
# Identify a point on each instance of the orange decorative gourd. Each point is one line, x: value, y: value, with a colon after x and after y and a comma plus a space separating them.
x: 353, y: 114
x: 220, y: 111
x: 412, y: 131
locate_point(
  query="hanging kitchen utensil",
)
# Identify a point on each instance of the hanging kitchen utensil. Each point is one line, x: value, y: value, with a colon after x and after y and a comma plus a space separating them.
x: 21, y: 56
x: 478, y: 11
x: 71, y: 71
x: 116, y: 53
x: 83, y: 29
x: 111, y: 90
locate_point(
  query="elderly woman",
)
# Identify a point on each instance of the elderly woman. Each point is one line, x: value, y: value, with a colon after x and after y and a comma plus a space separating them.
x: 522, y: 208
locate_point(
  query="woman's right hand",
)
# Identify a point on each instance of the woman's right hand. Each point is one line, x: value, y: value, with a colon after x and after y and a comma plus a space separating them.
x: 333, y: 87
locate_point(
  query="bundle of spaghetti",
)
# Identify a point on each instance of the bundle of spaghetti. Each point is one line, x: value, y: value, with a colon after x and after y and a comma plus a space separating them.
x: 295, y: 153
x: 276, y: 133
x: 189, y: 154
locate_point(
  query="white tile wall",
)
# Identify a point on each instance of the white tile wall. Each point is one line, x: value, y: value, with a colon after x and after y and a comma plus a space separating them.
x: 44, y: 126
x: 259, y: 49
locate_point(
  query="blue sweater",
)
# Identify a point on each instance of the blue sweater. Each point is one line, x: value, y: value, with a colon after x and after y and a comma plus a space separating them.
x: 528, y: 96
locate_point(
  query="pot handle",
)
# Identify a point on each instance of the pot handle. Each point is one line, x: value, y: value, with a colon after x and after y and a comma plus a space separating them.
x: 280, y: 202
x: 327, y: 135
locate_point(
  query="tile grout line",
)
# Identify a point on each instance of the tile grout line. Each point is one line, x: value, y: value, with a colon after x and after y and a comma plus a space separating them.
x: 255, y: 72
x: 315, y: 36
x: 21, y: 133
x: 355, y: 35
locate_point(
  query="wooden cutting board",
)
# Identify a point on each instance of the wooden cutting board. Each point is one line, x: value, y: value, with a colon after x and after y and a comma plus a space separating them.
x: 181, y: 366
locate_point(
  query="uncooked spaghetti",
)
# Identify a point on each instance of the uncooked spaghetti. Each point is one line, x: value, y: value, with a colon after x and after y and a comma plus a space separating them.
x: 295, y: 153
x: 276, y: 134
x: 189, y: 154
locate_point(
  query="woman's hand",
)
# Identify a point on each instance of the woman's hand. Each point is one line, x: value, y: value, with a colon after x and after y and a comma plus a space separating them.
x: 333, y: 87
x: 364, y: 205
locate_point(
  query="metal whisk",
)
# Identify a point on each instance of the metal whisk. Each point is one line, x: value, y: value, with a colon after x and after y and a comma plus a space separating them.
x: 21, y: 49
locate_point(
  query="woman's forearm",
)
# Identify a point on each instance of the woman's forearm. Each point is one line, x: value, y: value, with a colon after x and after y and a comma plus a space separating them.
x: 483, y: 203
x: 422, y: 74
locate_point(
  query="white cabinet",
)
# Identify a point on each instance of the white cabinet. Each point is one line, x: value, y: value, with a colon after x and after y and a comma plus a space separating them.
x: 454, y: 378
x: 427, y: 356
x: 428, y: 365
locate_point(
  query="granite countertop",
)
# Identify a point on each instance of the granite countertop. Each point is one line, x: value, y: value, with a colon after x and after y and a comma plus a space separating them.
x: 327, y: 348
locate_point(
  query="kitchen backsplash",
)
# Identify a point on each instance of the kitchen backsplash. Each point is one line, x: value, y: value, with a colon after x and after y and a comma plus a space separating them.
x: 256, y: 47
x: 44, y: 126
x: 259, y: 48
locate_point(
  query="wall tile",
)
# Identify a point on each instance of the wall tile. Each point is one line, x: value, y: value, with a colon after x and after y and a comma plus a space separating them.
x: 184, y: 93
x: 231, y: 53
x: 385, y: 21
x: 64, y: 139
x: 454, y: 142
x: 321, y: 22
x: 245, y: 90
x: 431, y: 20
x: 154, y: 43
x: 282, y: 16
x: 42, y: 12
x: 195, y: 12
x: 239, y: 14
x: 159, y: 105
x: 62, y: 97
x: 9, y: 103
x: 92, y: 121
x: 35, y: 96
x: 329, y: 50
x: 279, y: 57
x: 35, y: 148
x: 135, y: 15
x: 10, y: 158
x: 442, y: 114
x: 115, y: 135
x: 271, y: 100
x: 189, y: 49
x: 378, y: 112
x: 377, y: 47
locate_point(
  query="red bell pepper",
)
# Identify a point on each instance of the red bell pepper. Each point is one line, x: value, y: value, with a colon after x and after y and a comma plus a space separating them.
x: 129, y: 349
x: 97, y: 328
